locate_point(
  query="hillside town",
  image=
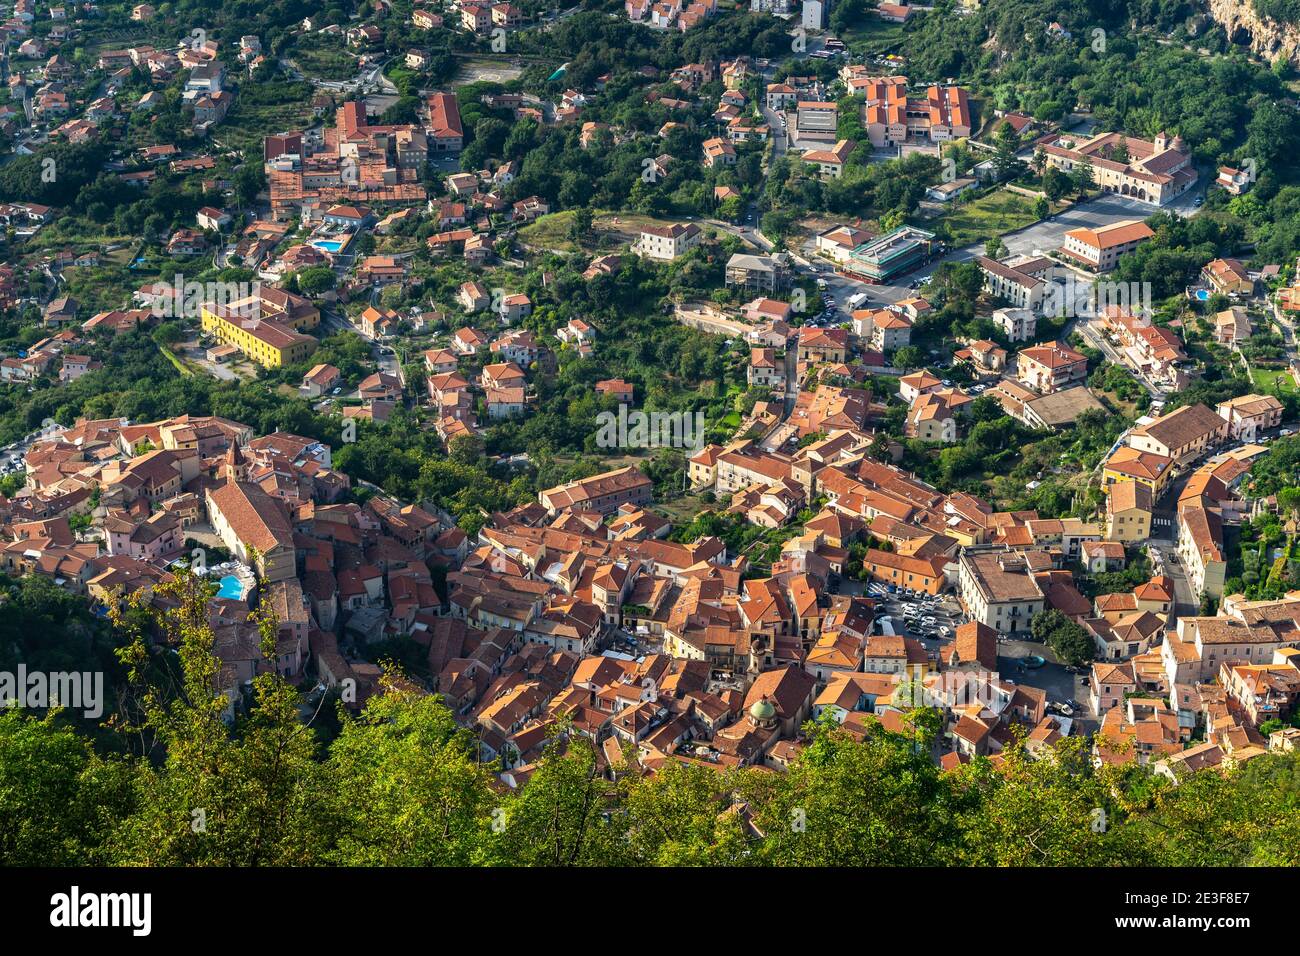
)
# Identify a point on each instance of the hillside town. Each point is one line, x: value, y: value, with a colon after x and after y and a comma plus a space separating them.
x: 576, y: 608
x: 682, y: 384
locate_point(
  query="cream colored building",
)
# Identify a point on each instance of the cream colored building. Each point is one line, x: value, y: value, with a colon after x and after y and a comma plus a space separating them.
x: 999, y: 590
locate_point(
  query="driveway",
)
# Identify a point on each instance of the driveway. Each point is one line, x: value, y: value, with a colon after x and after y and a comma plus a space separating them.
x: 780, y: 136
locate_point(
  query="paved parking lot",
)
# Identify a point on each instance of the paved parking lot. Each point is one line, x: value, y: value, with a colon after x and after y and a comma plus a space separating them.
x: 1032, y: 240
x: 1060, y: 684
x: 944, y: 609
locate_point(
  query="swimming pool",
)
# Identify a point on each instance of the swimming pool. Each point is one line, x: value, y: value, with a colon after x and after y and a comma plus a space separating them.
x: 329, y: 245
x: 1202, y: 295
x: 232, y: 588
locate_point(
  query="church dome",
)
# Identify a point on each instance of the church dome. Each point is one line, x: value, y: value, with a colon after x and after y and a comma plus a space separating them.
x: 762, y: 710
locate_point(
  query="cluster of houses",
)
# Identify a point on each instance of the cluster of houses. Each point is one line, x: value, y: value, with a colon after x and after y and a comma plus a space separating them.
x: 60, y: 355
x: 48, y: 94
x: 575, y: 613
x: 1198, y: 698
x: 356, y: 163
x: 670, y: 14
x: 1008, y: 567
x: 891, y: 117
x: 526, y: 636
x: 500, y: 389
x: 264, y: 517
x: 743, y: 661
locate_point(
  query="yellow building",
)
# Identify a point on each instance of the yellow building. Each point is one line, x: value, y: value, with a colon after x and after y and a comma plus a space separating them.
x: 1146, y: 468
x: 293, y: 311
x: 265, y: 341
x: 1128, y: 512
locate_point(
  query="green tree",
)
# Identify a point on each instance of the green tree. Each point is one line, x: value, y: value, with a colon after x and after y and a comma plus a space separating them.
x: 1068, y: 640
x: 850, y: 804
x: 1083, y: 179
x: 909, y: 357
x: 1006, y: 143
x: 563, y: 817
x: 57, y: 799
x: 1056, y: 184
x: 405, y: 786
x: 580, y: 227
x: 247, y: 795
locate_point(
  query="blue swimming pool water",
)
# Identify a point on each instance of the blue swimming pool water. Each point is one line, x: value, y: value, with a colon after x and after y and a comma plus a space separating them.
x: 1202, y: 294
x: 329, y: 245
x: 231, y: 588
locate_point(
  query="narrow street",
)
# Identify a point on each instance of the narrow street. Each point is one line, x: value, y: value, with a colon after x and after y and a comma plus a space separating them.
x: 1098, y: 340
x: 791, y: 380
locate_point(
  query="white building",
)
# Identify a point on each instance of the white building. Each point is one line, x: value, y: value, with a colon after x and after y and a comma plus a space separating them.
x: 666, y: 243
x: 999, y: 589
x: 815, y: 13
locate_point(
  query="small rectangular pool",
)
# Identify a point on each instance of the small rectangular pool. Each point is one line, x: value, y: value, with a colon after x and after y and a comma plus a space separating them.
x: 329, y: 245
x: 232, y: 589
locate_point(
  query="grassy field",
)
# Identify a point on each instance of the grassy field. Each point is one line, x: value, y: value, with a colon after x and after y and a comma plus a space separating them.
x: 608, y: 231
x: 1266, y: 379
x: 872, y: 36
x: 683, y: 510
x: 991, y: 215
x: 246, y: 126
x: 1120, y: 406
x: 323, y: 61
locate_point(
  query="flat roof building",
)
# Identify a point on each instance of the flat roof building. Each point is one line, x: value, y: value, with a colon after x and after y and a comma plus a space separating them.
x: 890, y: 255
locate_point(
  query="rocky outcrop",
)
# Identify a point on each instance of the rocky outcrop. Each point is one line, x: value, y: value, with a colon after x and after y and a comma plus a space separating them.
x: 1265, y: 36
